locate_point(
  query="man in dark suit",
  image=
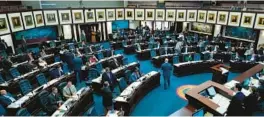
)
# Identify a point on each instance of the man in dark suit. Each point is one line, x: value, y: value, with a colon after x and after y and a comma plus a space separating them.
x: 235, y: 107
x: 54, y: 100
x: 109, y: 77
x: 166, y: 68
x: 6, y: 98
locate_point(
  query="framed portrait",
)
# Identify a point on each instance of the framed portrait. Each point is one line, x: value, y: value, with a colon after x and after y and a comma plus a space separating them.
x: 149, y: 14
x: 4, y: 27
x: 234, y: 18
x: 139, y: 14
x: 65, y: 16
x: 38, y: 17
x: 191, y: 15
x: 51, y: 17
x: 170, y: 14
x: 129, y: 14
x: 89, y: 15
x: 15, y: 22
x: 222, y: 17
x: 100, y: 15
x: 110, y: 14
x: 211, y: 17
x: 201, y: 16
x: 247, y: 20
x: 120, y: 14
x: 181, y: 15
x: 259, y: 22
x: 28, y: 20
x: 160, y: 14
x: 77, y: 16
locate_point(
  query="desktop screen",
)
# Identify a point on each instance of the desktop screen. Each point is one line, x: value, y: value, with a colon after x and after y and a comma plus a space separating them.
x: 38, y: 34
x: 121, y: 24
x: 199, y: 113
x: 211, y: 91
x: 240, y: 32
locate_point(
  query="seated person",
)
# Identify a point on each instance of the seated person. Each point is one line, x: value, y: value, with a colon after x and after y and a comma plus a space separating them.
x: 113, y: 63
x: 235, y: 107
x: 109, y: 77
x: 54, y: 100
x: 93, y: 59
x: 43, y: 53
x: 251, y: 102
x: 42, y: 63
x: 7, y: 63
x: 69, y: 90
x: 6, y: 98
x: 135, y: 75
x: 78, y: 53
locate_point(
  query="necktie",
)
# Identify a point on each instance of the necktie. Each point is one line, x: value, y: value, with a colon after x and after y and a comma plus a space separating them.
x: 70, y: 91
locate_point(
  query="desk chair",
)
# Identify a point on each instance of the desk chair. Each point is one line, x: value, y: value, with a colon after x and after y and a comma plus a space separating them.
x: 1, y: 79
x: 41, y: 79
x: 91, y: 112
x: 127, y: 77
x: 206, y: 56
x: 14, y: 72
x: 122, y: 84
x: 124, y: 43
x: 125, y: 61
x: 100, y: 56
x: 60, y: 89
x: 23, y: 112
x: 65, y: 68
x: 92, y: 74
x: 54, y: 73
x: 25, y: 86
x: 175, y: 59
x: 153, y: 53
x: 43, y: 101
x: 197, y: 57
x: 3, y: 54
x: 52, y: 44
x: 2, y: 110
x: 99, y: 67
x: 71, y: 46
x: 57, y: 59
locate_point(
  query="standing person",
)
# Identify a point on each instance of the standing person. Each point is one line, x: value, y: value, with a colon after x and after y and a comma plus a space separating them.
x: 109, y: 77
x: 251, y: 102
x: 24, y: 43
x: 93, y: 39
x: 107, y: 97
x: 98, y: 36
x: 83, y: 36
x: 166, y: 68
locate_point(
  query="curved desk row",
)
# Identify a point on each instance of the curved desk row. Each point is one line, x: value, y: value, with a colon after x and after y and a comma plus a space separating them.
x: 241, y: 66
x: 193, y: 67
x: 118, y: 72
x: 136, y: 91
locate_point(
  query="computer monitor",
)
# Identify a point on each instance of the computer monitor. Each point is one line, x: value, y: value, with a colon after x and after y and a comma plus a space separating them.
x: 204, y: 93
x: 198, y: 113
x: 211, y: 91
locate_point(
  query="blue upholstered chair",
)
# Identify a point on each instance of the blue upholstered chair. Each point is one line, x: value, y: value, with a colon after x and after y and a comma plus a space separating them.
x: 206, y: 56
x: 57, y: 59
x: 25, y: 86
x: 23, y: 112
x: 43, y: 101
x: 65, y: 68
x: 2, y: 110
x: 125, y: 61
x: 100, y: 56
x: 41, y: 79
x: 127, y: 77
x: 91, y: 112
x: 99, y: 67
x: 14, y: 72
x: 92, y: 74
x: 122, y: 84
x: 175, y: 59
x: 153, y: 53
x: 55, y: 73
x: 1, y: 79
x: 197, y: 57
x: 3, y: 53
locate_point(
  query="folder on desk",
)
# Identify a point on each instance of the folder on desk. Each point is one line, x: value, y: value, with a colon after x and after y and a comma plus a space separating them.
x: 223, y: 70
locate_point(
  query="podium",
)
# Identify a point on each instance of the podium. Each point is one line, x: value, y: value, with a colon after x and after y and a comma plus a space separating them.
x: 220, y: 73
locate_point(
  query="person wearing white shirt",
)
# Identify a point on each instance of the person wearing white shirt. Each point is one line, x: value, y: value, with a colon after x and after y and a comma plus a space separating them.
x: 69, y: 90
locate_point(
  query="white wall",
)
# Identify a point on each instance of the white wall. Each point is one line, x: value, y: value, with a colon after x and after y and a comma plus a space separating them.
x: 34, y: 3
x: 184, y: 25
x: 261, y: 39
x: 8, y: 40
x: 67, y: 31
x: 109, y: 28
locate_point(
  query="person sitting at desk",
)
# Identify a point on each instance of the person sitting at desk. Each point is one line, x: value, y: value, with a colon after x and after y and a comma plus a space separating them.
x: 7, y: 63
x: 54, y: 100
x: 166, y: 68
x: 235, y: 107
x: 6, y: 98
x: 69, y: 90
x: 93, y: 59
x: 251, y: 102
x: 107, y: 97
x: 135, y: 75
x: 110, y: 78
x: 43, y: 53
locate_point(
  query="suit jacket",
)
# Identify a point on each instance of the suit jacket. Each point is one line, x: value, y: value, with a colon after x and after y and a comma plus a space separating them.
x: 235, y: 107
x: 52, y: 101
x: 166, y: 68
x: 5, y: 101
x: 77, y: 63
x: 112, y: 81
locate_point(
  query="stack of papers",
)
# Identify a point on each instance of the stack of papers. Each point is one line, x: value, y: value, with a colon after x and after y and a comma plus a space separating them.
x: 223, y: 70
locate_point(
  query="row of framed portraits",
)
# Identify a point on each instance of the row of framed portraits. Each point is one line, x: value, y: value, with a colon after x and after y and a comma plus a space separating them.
x: 31, y: 19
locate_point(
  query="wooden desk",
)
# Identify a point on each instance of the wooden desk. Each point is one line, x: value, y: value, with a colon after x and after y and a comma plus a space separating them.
x: 241, y: 66
x: 197, y: 100
x: 220, y: 73
x: 185, y: 111
x: 249, y: 73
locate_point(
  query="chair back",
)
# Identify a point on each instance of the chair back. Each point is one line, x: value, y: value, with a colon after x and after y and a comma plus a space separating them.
x: 54, y: 73
x: 43, y: 100
x: 122, y: 84
x: 197, y: 57
x: 91, y: 112
x: 57, y: 59
x: 25, y: 86
x: 175, y: 59
x: 100, y: 56
x: 125, y: 61
x: 206, y: 56
x: 2, y: 110
x: 99, y: 67
x: 65, y: 68
x: 150, y: 45
x: 153, y: 53
x: 14, y: 72
x: 87, y: 49
x: 1, y: 79
x: 128, y: 74
x: 41, y: 79
x: 93, y: 73
x: 23, y: 112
